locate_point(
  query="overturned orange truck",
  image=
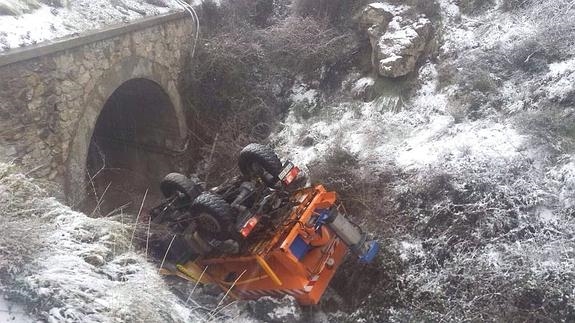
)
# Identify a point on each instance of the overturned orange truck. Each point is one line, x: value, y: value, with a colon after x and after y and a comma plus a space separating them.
x: 264, y: 233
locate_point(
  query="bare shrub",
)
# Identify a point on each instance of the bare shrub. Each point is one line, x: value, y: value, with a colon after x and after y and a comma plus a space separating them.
x: 510, y: 5
x: 429, y: 8
x: 556, y: 27
x: 336, y: 12
x: 551, y: 127
x: 478, y: 81
x: 532, y: 56
x: 305, y: 44
x: 474, y: 6
x: 243, y: 73
x: 446, y: 73
x: 465, y: 248
x: 480, y: 74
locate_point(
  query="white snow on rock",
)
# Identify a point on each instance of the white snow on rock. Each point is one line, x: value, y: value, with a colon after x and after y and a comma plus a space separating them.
x: 397, y: 40
x: 363, y: 83
x: 49, y: 23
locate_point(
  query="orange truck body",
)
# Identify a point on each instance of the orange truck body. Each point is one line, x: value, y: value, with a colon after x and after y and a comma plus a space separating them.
x: 299, y: 260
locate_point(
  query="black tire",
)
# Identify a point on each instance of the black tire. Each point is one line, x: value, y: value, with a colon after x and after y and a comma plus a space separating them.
x: 175, y: 183
x: 213, y: 215
x: 255, y: 157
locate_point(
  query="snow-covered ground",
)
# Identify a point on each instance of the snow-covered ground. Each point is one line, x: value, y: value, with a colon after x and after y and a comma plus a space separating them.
x: 469, y: 183
x: 478, y: 209
x: 33, y: 22
x: 10, y: 312
x: 62, y: 266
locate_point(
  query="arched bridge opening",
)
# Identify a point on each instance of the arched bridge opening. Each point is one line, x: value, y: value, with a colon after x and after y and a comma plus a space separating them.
x: 136, y: 141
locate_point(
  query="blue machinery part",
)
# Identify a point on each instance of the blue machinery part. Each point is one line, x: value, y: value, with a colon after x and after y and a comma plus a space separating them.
x: 369, y: 255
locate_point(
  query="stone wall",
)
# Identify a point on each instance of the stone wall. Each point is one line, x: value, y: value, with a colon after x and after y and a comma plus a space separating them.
x: 49, y: 104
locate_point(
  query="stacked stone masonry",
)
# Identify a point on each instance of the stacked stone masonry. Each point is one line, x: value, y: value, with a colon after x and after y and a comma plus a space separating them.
x: 49, y: 104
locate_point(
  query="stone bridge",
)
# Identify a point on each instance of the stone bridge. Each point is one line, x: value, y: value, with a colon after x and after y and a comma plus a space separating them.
x: 99, y: 114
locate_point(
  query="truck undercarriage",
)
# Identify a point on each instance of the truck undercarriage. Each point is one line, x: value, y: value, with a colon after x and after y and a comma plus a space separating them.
x: 262, y: 233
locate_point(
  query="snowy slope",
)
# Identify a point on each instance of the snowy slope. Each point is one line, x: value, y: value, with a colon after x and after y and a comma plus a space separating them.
x: 62, y: 266
x: 468, y: 181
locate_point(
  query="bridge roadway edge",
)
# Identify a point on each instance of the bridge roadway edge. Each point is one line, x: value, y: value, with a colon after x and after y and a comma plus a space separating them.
x: 85, y: 38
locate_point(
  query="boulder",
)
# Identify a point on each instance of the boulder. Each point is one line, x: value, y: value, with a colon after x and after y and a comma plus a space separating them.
x: 375, y: 18
x: 398, y: 50
x: 376, y: 15
x: 398, y: 37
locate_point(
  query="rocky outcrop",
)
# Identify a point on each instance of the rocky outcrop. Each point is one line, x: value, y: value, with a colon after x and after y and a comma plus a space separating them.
x: 397, y: 51
x: 398, y: 39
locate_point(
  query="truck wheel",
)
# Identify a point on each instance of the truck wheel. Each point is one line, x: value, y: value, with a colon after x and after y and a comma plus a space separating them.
x: 213, y: 215
x: 256, y: 158
x: 176, y: 183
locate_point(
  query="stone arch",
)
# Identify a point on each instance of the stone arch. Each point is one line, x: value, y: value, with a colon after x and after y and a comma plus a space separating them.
x: 128, y: 70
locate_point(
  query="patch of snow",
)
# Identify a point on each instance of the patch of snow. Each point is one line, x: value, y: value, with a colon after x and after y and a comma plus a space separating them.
x: 562, y: 87
x: 363, y: 83
x: 393, y: 9
x: 285, y: 311
x: 499, y: 30
x: 301, y: 94
x: 419, y: 137
x: 49, y: 23
x: 10, y: 312
x: 427, y: 96
x: 443, y: 140
x: 493, y: 257
x: 547, y: 216
x: 200, y: 2
x: 560, y: 68
x: 449, y: 9
x: 410, y: 250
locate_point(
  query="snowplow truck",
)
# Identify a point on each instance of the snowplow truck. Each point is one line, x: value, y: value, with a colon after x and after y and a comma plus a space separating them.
x: 262, y: 233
